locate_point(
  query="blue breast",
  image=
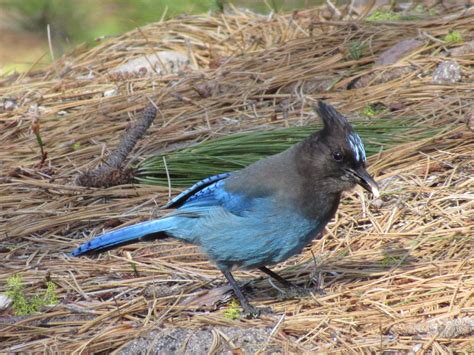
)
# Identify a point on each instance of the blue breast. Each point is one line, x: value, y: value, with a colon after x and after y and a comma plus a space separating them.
x: 264, y: 236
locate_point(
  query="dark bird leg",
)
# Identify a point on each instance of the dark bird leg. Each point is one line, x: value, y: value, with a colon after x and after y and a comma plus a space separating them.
x: 249, y: 310
x: 277, y: 277
x: 292, y: 289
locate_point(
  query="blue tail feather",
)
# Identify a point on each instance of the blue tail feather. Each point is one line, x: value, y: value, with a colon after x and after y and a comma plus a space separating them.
x: 122, y: 236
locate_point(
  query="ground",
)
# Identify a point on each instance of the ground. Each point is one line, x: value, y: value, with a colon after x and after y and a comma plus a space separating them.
x: 397, y: 271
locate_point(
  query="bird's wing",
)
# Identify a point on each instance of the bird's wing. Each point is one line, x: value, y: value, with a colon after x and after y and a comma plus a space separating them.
x: 216, y: 196
x: 242, y: 190
x: 194, y: 191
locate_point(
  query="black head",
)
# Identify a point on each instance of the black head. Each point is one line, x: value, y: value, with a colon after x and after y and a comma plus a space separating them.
x: 336, y: 155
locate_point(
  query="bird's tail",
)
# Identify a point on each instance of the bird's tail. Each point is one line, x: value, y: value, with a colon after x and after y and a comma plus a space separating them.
x: 138, y: 232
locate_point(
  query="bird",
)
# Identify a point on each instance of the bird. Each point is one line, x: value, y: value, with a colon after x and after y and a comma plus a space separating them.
x: 265, y: 213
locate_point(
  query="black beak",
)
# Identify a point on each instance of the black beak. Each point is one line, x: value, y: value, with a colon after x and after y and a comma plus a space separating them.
x: 363, y: 178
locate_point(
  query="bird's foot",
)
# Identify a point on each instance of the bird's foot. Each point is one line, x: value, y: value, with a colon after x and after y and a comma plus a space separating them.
x: 300, y: 292
x: 251, y: 312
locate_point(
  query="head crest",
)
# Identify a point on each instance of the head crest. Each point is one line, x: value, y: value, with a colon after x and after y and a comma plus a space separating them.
x: 338, y: 125
x: 331, y: 118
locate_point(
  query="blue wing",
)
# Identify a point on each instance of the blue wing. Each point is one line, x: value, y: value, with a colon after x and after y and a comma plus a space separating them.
x: 210, y: 192
x: 214, y: 195
x: 200, y: 188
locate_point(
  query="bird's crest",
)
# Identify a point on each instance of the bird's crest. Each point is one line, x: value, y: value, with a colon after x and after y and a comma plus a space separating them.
x: 336, y: 124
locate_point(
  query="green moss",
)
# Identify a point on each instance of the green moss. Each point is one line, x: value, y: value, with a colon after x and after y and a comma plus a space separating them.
x: 453, y: 37
x: 233, y: 312
x: 24, y: 305
x: 372, y: 110
x: 50, y: 297
x: 76, y: 146
x: 422, y: 11
x: 418, y: 13
x: 379, y: 15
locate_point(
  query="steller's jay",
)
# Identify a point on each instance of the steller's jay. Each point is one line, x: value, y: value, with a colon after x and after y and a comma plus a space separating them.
x: 265, y: 213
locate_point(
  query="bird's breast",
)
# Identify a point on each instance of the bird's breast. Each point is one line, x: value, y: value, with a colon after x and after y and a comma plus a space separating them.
x: 262, y: 236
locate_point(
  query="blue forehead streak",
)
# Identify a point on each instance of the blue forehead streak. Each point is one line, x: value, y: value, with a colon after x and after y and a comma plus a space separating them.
x: 357, y: 146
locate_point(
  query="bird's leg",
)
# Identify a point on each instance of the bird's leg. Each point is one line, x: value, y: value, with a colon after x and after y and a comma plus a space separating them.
x: 292, y: 289
x: 277, y: 277
x: 249, y: 310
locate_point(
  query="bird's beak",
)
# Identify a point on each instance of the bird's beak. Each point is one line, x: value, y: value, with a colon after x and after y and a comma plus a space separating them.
x: 363, y: 178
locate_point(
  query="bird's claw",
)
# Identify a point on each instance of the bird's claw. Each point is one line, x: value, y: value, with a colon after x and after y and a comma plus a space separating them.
x: 251, y: 312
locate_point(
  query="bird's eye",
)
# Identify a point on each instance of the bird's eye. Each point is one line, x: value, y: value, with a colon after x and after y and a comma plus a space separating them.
x: 337, y: 156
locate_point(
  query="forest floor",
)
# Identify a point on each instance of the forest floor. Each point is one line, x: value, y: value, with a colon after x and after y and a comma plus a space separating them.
x: 397, y: 272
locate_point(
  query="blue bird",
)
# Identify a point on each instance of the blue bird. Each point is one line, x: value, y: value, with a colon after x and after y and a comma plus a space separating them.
x: 265, y: 213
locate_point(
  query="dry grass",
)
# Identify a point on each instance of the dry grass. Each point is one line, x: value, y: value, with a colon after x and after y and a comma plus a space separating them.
x: 386, y: 267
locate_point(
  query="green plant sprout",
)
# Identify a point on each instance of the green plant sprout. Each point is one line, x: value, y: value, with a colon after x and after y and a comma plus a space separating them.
x: 379, y: 15
x: 24, y: 305
x: 371, y: 111
x: 453, y: 37
x: 356, y: 50
x: 233, y: 312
